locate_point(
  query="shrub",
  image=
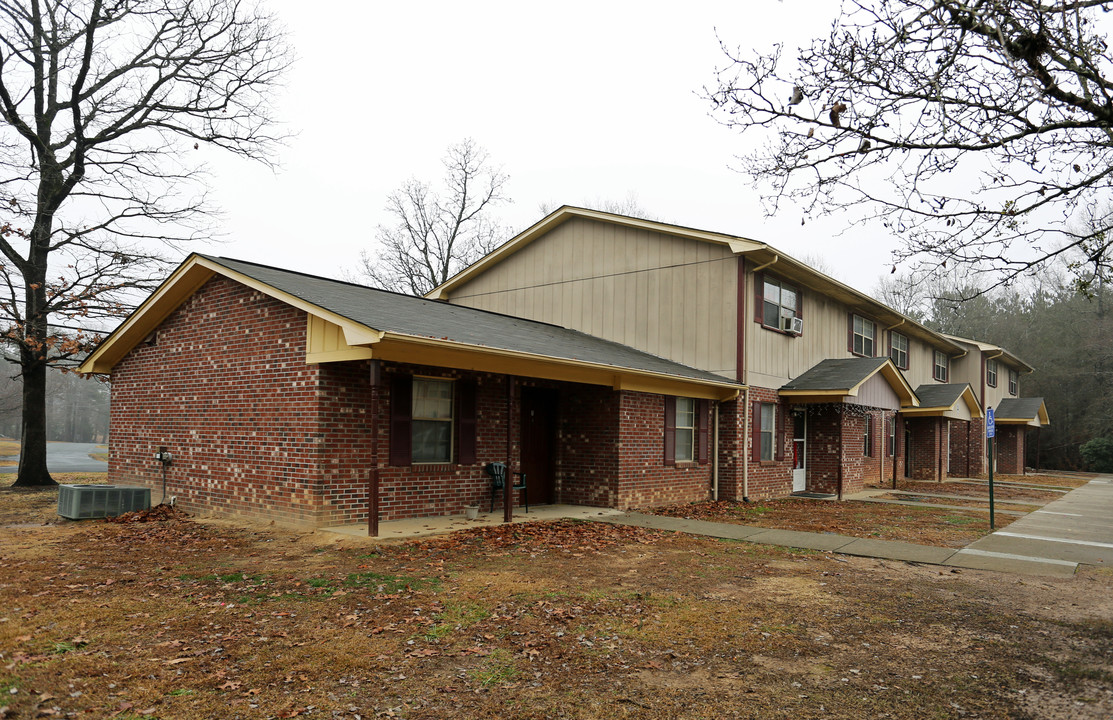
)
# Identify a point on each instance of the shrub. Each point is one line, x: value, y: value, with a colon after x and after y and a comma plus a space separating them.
x: 1098, y: 454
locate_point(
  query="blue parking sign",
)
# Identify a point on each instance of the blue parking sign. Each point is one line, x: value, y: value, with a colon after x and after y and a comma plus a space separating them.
x: 990, y: 426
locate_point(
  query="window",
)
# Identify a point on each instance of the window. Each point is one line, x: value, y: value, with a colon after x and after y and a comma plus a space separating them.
x: 685, y: 430
x: 1014, y: 380
x: 862, y: 334
x: 941, y: 366
x: 991, y: 373
x: 891, y: 428
x: 779, y: 300
x: 867, y: 440
x: 432, y: 421
x: 898, y: 350
x: 768, y: 429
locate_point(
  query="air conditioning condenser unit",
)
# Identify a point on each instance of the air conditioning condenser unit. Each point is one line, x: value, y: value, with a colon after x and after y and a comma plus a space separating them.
x: 81, y: 502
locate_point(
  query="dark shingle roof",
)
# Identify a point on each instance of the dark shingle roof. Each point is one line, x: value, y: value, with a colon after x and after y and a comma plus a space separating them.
x: 1018, y: 408
x: 935, y: 395
x: 407, y: 315
x: 836, y: 374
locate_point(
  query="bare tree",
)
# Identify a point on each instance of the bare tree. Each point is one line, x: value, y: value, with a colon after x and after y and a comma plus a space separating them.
x: 433, y: 235
x: 974, y: 130
x: 102, y: 103
x: 630, y: 206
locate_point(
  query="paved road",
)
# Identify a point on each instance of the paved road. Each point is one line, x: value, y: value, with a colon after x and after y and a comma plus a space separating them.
x: 67, y: 457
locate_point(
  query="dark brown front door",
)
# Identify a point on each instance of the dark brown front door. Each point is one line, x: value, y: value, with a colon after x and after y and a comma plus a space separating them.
x: 539, y: 443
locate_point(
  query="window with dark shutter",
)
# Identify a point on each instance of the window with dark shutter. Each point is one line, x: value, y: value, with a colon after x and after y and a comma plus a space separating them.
x: 670, y: 430
x: 703, y: 410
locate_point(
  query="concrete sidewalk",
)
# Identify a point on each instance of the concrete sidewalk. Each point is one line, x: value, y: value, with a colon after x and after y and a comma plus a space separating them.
x: 1051, y: 541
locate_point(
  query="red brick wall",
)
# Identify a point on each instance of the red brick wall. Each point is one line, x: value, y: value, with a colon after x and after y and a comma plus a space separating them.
x: 732, y: 445
x: 770, y: 478
x: 927, y: 448
x: 1010, y: 449
x: 588, y: 464
x: 644, y: 479
x: 226, y: 389
x: 841, y: 428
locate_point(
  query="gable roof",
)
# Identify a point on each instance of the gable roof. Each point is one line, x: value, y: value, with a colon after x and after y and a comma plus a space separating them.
x: 403, y: 328
x: 943, y: 400
x: 761, y: 254
x: 841, y: 377
x: 993, y: 351
x: 1022, y: 411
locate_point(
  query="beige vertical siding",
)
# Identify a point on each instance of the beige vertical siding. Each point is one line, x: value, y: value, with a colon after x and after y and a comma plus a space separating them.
x: 668, y: 296
x: 774, y: 358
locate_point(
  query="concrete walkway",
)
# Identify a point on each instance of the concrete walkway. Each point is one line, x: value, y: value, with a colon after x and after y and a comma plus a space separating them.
x: 1054, y: 540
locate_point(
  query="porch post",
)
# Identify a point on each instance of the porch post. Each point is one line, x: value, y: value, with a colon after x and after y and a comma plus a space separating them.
x: 373, y: 480
x: 507, y: 494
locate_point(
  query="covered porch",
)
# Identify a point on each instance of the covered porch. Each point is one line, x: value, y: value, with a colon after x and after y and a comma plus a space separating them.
x: 843, y: 423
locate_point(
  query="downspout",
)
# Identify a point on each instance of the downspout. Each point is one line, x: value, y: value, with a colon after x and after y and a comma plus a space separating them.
x: 842, y: 428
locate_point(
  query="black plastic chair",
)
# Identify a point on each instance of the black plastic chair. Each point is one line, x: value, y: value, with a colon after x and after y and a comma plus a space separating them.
x: 497, y: 471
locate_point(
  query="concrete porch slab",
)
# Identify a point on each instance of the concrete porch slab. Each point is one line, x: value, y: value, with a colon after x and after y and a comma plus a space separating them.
x: 426, y: 526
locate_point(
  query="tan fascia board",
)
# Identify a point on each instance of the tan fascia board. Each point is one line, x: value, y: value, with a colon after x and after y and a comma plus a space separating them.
x: 187, y: 279
x: 567, y: 212
x: 414, y: 349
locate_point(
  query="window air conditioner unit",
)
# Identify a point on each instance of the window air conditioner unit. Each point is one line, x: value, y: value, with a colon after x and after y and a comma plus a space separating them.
x: 79, y: 502
x: 793, y: 325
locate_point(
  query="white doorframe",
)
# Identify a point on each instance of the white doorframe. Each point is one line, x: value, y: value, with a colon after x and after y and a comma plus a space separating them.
x: 800, y: 453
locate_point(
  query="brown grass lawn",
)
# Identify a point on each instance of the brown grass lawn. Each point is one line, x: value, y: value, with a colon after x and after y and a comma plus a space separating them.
x: 923, y: 526
x: 190, y: 619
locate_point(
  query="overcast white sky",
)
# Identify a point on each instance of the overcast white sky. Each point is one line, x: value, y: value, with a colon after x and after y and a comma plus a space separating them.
x: 578, y: 101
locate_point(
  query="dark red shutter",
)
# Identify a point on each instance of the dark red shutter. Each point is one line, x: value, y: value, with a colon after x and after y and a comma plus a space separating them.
x: 759, y: 298
x: 401, y: 410
x: 702, y: 411
x: 850, y: 332
x: 670, y: 430
x: 755, y: 432
x: 465, y: 422
x: 779, y: 441
x: 869, y: 435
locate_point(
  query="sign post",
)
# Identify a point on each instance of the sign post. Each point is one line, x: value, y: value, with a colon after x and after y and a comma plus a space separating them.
x: 990, y: 432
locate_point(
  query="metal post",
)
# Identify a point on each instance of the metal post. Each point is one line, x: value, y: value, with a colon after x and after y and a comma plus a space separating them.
x: 991, y: 522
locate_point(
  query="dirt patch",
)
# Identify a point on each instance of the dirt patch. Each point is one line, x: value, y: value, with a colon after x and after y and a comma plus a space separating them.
x: 923, y: 526
x: 180, y: 618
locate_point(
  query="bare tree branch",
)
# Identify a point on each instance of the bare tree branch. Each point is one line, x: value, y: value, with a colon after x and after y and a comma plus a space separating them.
x: 432, y: 236
x: 102, y: 103
x: 974, y: 131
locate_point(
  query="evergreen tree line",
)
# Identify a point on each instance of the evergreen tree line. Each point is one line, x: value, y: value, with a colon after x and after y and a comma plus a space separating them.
x: 1060, y: 326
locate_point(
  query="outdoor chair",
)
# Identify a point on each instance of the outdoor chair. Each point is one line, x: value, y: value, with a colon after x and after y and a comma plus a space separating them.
x: 497, y: 471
